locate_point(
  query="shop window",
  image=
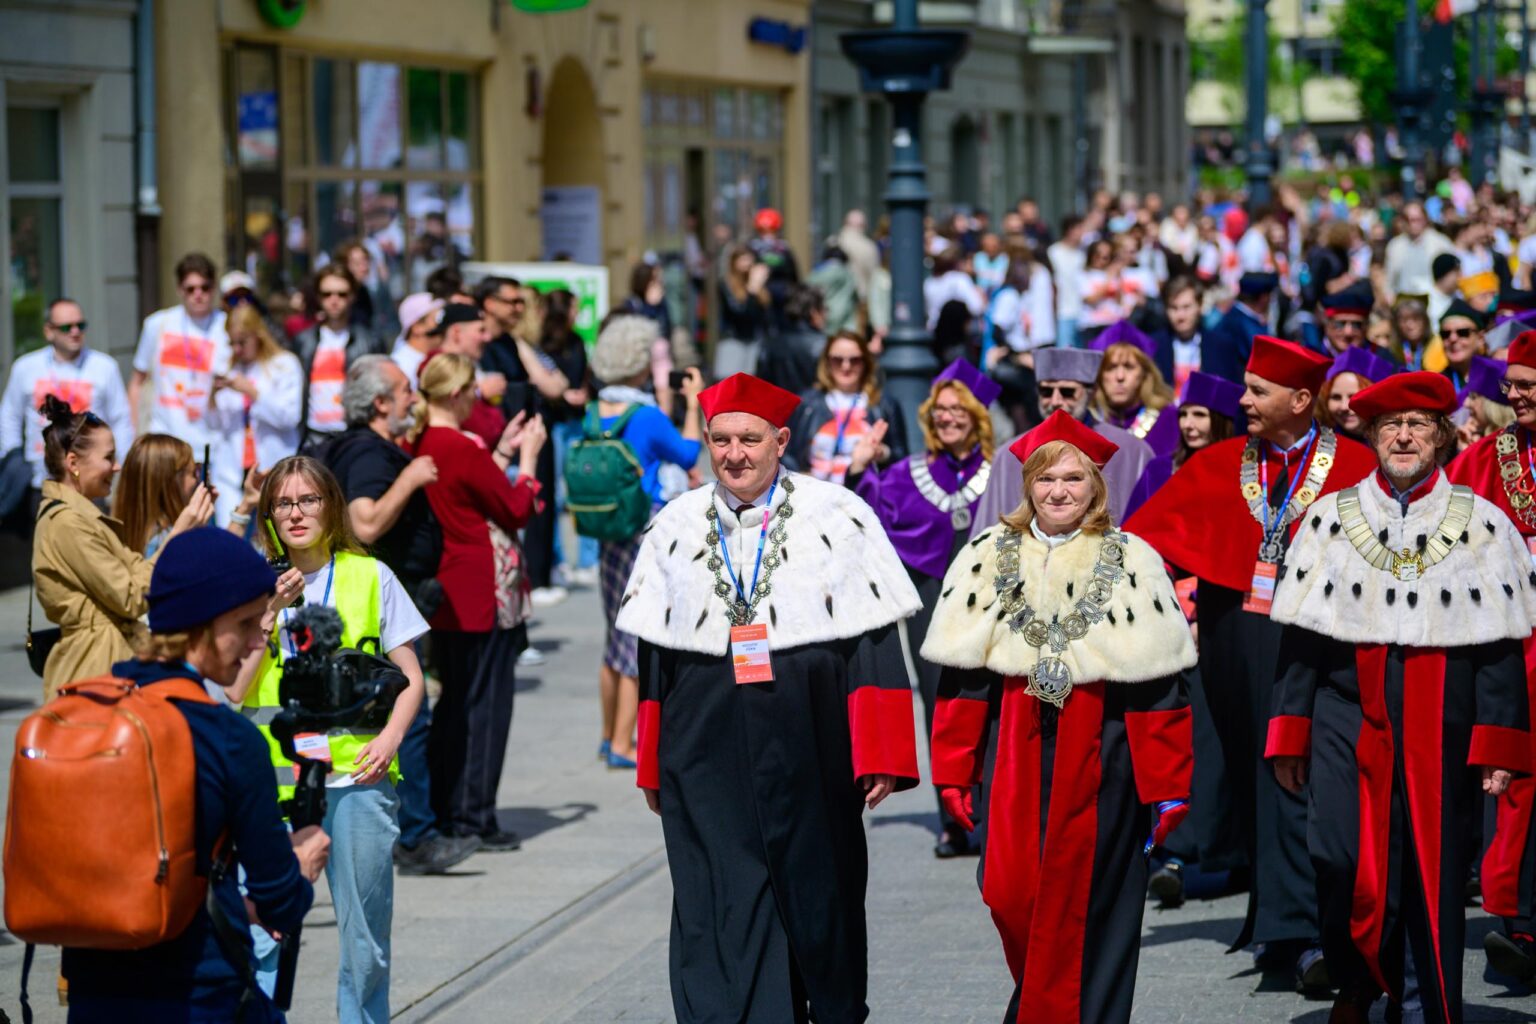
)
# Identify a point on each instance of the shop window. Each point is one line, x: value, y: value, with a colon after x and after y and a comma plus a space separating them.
x: 374, y: 151
x: 34, y: 202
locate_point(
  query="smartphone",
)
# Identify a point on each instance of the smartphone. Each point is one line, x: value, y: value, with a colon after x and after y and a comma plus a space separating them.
x: 676, y: 379
x: 207, y: 456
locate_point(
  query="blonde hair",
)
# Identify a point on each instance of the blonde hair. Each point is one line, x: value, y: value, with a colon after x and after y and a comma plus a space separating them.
x: 335, y: 525
x: 151, y: 647
x: 869, y: 383
x: 1096, y: 520
x: 442, y: 376
x: 1154, y: 392
x: 149, y: 495
x: 1496, y: 414
x: 981, y: 420
x: 244, y: 318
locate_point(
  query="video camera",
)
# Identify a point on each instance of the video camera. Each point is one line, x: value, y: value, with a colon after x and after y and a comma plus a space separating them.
x: 324, y: 687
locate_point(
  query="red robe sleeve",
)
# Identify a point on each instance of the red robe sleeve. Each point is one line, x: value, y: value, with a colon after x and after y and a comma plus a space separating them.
x: 960, y: 725
x: 880, y: 725
x: 1290, y: 712
x: 1159, y: 728
x: 652, y: 683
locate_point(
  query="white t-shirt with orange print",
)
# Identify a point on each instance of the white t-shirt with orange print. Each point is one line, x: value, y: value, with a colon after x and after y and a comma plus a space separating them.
x: 181, y: 356
x: 327, y: 374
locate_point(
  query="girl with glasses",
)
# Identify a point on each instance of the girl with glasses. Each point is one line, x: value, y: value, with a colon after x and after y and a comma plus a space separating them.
x: 845, y: 404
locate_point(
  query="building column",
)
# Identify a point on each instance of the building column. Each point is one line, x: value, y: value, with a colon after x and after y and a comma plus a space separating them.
x: 190, y: 102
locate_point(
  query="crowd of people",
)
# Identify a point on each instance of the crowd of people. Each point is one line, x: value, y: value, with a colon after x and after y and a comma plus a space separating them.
x: 1210, y: 552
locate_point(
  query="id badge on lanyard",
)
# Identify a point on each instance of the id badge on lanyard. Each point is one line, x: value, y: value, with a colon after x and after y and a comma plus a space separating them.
x: 1261, y: 592
x: 751, y: 659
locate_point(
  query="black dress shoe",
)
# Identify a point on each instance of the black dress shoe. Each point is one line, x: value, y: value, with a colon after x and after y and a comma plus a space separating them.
x: 1513, y: 956
x: 1312, y: 972
x: 499, y: 842
x: 1167, y: 884
x: 953, y: 844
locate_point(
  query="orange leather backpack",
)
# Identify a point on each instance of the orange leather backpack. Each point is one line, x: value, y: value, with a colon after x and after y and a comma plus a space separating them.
x: 99, y: 831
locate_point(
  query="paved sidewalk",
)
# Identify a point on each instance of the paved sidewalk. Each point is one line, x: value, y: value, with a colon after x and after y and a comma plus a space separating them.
x: 572, y: 929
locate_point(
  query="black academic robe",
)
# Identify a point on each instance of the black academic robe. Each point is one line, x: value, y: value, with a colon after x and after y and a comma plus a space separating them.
x: 762, y: 814
x: 1066, y: 798
x: 1395, y: 737
x: 1239, y: 816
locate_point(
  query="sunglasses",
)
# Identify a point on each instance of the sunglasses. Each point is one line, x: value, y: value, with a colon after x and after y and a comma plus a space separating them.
x: 846, y: 360
x: 196, y: 289
x: 78, y: 325
x: 1349, y: 325
x: 1067, y: 391
x: 343, y: 294
x: 1460, y: 332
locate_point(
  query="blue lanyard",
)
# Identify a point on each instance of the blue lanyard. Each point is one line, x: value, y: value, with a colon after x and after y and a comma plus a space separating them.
x: 1272, y: 527
x: 762, y: 537
x: 330, y: 578
x: 842, y: 430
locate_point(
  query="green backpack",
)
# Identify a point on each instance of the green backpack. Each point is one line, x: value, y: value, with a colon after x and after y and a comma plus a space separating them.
x: 604, y: 481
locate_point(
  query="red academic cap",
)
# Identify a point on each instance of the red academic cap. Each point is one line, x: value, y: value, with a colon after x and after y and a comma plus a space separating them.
x: 1421, y: 389
x: 1287, y: 364
x: 1059, y: 426
x: 1522, y: 351
x: 742, y: 392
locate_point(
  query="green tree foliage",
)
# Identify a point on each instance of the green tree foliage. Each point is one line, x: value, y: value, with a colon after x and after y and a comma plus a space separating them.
x: 1367, y: 34
x: 1223, y: 58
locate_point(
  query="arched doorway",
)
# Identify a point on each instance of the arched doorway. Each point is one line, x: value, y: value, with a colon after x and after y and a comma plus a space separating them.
x: 964, y: 164
x: 571, y: 193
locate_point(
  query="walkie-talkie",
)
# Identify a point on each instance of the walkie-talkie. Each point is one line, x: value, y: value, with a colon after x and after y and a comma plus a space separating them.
x: 280, y: 562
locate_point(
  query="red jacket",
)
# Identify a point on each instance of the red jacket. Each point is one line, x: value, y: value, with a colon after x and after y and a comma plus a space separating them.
x: 470, y: 490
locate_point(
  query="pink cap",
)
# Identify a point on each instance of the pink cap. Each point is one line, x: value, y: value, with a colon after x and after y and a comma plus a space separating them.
x: 415, y: 306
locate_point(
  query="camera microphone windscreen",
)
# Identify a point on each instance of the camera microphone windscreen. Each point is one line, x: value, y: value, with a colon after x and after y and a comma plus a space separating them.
x: 322, y: 623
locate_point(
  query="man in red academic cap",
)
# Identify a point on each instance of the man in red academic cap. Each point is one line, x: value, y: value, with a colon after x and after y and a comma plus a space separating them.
x: 1399, y: 732
x: 1499, y: 468
x: 775, y: 706
x: 1226, y: 518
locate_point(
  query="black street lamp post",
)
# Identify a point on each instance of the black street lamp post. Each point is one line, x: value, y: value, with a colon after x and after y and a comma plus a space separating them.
x: 1259, y: 166
x: 905, y: 63
x: 1411, y: 97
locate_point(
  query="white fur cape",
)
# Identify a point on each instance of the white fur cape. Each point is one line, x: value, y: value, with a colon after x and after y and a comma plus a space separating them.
x: 840, y: 576
x: 1483, y: 590
x: 1143, y: 636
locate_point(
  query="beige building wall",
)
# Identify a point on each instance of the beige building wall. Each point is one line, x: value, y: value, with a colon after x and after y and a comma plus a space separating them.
x: 590, y: 67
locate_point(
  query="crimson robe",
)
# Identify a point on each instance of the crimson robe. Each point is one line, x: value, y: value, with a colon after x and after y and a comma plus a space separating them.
x: 1240, y: 817
x: 1509, y: 865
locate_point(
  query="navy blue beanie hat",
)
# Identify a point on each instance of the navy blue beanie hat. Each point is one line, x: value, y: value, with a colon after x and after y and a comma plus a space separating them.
x: 200, y: 575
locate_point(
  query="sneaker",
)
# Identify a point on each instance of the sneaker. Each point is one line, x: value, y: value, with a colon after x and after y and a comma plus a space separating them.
x: 583, y: 576
x: 1511, y: 955
x: 437, y: 855
x: 531, y: 657
x: 499, y: 842
x: 1167, y: 883
x: 1312, y: 972
x: 548, y: 597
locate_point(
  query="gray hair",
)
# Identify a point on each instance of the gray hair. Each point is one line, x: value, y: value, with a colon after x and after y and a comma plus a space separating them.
x: 367, y: 381
x: 623, y: 349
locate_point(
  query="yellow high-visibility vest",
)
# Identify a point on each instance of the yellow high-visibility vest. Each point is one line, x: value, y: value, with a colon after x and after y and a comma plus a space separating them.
x: 355, y: 596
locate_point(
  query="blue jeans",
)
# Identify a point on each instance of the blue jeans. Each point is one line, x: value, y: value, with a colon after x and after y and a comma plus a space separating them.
x: 415, y: 785
x: 566, y: 436
x: 362, y: 822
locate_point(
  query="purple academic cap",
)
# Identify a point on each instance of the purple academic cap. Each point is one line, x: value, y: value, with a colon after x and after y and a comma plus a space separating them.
x: 1123, y: 332
x: 1215, y: 393
x: 1362, y: 362
x: 964, y: 372
x: 1483, y: 379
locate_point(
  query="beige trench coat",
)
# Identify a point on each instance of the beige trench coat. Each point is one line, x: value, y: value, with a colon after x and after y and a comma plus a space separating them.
x: 89, y: 583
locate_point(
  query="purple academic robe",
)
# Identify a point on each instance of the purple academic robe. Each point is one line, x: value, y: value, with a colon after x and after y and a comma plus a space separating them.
x: 1159, y: 471
x: 923, y: 535
x: 1163, y: 435
x: 1006, y: 488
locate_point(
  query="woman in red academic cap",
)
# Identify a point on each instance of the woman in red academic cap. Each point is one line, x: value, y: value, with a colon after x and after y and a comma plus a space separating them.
x: 1089, y: 766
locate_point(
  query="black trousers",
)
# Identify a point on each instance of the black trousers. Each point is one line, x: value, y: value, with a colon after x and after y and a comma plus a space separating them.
x: 539, y: 534
x: 470, y: 725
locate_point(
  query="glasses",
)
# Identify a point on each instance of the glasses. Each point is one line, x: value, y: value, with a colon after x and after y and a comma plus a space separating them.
x: 951, y: 411
x: 1413, y: 424
x: 1348, y: 325
x: 196, y: 289
x: 78, y: 325
x: 849, y: 361
x: 308, y: 504
x: 332, y: 294
x: 1517, y: 387
x: 1460, y: 332
x: 1068, y: 391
